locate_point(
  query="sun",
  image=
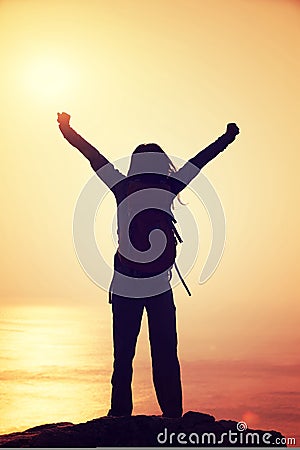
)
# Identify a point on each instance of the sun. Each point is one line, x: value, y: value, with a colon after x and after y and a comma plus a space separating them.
x: 48, y: 78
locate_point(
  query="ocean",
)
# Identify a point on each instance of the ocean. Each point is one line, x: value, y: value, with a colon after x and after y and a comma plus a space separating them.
x: 56, y: 366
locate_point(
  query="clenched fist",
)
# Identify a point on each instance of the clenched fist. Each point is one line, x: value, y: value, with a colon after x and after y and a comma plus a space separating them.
x: 232, y: 129
x: 63, y: 118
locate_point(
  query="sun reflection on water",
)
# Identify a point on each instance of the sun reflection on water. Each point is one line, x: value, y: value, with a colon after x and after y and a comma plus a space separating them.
x: 55, y: 366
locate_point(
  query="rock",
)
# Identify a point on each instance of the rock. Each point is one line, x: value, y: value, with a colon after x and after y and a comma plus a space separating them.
x: 193, y: 429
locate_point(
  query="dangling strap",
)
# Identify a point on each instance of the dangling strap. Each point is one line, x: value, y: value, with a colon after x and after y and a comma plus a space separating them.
x: 182, y: 280
x: 179, y: 238
x: 177, y: 235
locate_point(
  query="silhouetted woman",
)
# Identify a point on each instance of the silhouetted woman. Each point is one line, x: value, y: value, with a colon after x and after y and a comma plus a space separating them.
x: 143, y: 261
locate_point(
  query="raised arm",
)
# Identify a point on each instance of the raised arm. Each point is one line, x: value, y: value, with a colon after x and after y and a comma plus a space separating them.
x: 210, y: 152
x: 91, y: 153
x: 195, y: 164
x: 104, y: 169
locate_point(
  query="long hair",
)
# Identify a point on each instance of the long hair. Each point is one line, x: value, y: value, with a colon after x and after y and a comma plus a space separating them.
x: 149, y: 159
x: 146, y: 162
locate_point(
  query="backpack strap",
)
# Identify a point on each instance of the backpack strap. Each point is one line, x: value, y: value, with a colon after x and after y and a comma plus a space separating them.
x: 179, y: 238
x: 182, y: 280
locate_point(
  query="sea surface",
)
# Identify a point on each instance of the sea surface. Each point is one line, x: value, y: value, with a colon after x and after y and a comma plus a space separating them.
x: 56, y: 366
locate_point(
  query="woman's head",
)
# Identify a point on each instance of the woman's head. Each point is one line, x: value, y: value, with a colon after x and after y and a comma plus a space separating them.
x: 150, y: 158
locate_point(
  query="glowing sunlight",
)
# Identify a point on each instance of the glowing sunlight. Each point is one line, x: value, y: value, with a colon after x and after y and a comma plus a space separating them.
x: 48, y: 78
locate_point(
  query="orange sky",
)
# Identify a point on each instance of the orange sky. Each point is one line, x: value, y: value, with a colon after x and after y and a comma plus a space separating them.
x: 172, y: 72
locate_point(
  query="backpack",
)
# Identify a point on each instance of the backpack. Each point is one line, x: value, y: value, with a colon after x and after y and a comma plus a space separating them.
x: 146, y: 221
x: 142, y: 223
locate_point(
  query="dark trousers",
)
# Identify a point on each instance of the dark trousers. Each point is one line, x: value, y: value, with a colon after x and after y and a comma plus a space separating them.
x: 127, y: 317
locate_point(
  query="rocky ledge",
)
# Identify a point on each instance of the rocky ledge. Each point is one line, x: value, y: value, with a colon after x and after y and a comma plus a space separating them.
x: 193, y: 429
